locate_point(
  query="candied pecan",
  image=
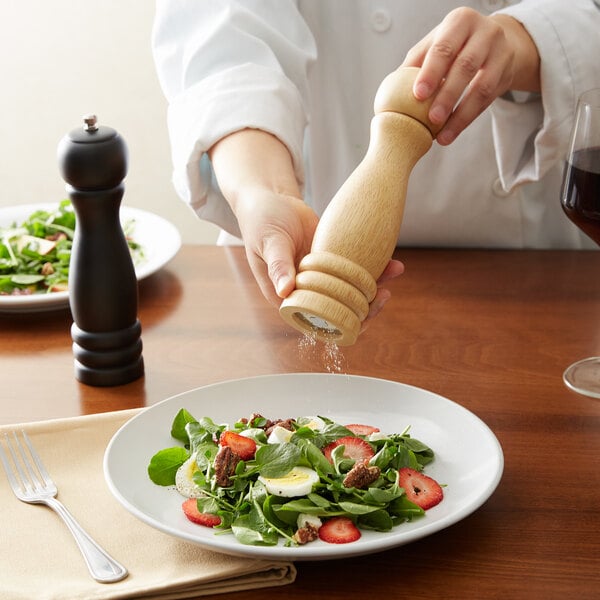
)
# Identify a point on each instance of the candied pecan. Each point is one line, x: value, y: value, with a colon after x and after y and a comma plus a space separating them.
x: 306, y: 534
x: 361, y: 475
x: 47, y: 269
x: 225, y: 463
x: 255, y: 416
x: 285, y: 423
x: 55, y: 237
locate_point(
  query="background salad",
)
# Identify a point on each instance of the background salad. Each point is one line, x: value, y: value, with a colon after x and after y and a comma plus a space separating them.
x: 35, y: 254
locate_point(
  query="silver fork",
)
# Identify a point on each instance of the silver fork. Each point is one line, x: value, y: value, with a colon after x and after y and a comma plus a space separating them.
x: 33, y: 484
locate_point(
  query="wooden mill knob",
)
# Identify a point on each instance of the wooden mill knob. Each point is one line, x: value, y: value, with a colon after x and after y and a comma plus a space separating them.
x: 357, y: 233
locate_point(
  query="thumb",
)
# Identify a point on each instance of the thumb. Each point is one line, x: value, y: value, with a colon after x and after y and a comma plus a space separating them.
x: 279, y: 257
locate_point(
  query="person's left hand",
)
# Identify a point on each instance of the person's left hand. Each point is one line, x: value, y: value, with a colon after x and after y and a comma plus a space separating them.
x: 469, y: 60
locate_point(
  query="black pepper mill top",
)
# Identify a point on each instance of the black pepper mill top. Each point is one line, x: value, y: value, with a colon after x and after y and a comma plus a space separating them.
x: 103, y: 291
x: 93, y: 157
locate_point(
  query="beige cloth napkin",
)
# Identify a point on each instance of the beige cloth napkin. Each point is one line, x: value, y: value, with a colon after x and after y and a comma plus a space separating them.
x: 39, y: 558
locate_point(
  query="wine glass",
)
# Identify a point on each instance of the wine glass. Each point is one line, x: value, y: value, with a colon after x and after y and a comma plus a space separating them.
x: 580, y: 199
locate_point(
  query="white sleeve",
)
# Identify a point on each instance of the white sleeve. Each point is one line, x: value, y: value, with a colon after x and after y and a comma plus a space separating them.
x: 531, y: 137
x: 226, y: 66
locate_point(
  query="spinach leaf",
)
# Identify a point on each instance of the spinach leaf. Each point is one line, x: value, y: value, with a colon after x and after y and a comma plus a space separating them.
x: 164, y: 464
x: 182, y: 418
x: 277, y: 460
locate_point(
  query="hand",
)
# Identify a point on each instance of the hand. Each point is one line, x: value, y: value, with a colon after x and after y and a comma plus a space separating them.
x: 469, y: 60
x: 277, y: 232
x: 256, y: 175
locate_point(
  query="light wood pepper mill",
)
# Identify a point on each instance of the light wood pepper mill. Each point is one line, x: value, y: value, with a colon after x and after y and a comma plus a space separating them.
x: 357, y: 233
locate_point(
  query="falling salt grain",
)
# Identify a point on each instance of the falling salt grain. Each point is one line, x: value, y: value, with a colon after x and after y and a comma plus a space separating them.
x: 333, y: 358
x: 328, y: 353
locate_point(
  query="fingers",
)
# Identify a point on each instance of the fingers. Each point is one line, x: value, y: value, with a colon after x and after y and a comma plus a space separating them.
x: 466, y: 62
x: 273, y: 267
x: 376, y: 306
x: 260, y: 271
x: 393, y: 269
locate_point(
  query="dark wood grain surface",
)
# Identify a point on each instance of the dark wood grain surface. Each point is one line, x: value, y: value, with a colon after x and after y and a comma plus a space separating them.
x: 491, y: 330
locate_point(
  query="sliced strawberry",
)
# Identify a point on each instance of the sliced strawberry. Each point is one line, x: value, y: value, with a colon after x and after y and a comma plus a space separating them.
x: 190, y: 509
x: 355, y: 448
x: 359, y: 429
x: 339, y: 530
x: 244, y: 447
x: 421, y: 489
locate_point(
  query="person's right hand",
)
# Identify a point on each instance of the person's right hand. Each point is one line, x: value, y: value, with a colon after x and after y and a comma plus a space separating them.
x: 256, y: 175
x: 277, y: 230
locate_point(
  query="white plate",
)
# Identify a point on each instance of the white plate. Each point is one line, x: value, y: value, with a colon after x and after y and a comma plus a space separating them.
x: 468, y: 459
x: 159, y: 239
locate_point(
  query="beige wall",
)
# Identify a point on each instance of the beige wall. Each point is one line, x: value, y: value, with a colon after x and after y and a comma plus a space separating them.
x: 60, y: 59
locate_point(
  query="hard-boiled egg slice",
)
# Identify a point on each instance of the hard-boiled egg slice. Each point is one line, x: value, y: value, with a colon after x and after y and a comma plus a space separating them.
x: 298, y: 482
x: 305, y: 520
x: 279, y: 435
x: 184, y: 479
x: 313, y: 422
x: 377, y: 435
x: 40, y: 245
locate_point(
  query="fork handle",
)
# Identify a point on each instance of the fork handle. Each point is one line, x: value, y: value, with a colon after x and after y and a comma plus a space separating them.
x: 101, y: 565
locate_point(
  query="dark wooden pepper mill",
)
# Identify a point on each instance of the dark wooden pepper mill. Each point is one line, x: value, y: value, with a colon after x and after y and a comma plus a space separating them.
x: 103, y: 292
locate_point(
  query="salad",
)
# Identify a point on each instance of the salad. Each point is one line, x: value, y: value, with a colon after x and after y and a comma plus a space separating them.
x: 35, y: 254
x: 296, y: 479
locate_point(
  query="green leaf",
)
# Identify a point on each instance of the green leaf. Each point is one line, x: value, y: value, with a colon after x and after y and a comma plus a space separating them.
x: 208, y: 505
x: 318, y: 500
x: 254, y: 529
x: 383, y: 495
x: 182, y: 418
x: 27, y: 279
x: 357, y: 509
x: 333, y: 431
x: 340, y: 463
x: 314, y: 457
x: 164, y: 464
x: 281, y: 520
x: 403, y: 507
x: 378, y: 520
x: 303, y: 505
x: 277, y: 460
x: 416, y: 445
x: 200, y: 438
x: 205, y: 454
x: 382, y: 458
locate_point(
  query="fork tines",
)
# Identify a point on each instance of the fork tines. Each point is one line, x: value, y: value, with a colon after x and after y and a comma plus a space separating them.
x: 32, y: 476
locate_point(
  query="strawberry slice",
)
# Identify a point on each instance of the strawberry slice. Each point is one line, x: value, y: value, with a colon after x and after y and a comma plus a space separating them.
x: 339, y: 530
x: 421, y: 489
x: 244, y: 447
x: 355, y: 448
x: 190, y: 509
x: 360, y: 429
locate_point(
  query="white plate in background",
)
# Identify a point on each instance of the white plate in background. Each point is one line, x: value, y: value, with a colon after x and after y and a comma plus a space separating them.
x: 159, y: 239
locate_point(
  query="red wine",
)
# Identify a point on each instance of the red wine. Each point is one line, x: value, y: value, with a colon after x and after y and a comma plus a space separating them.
x: 580, y: 196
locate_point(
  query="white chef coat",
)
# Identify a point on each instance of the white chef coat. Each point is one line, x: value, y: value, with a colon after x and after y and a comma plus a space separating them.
x: 307, y: 72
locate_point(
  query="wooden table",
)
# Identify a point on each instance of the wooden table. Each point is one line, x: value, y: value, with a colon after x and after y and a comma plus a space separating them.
x: 491, y: 330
